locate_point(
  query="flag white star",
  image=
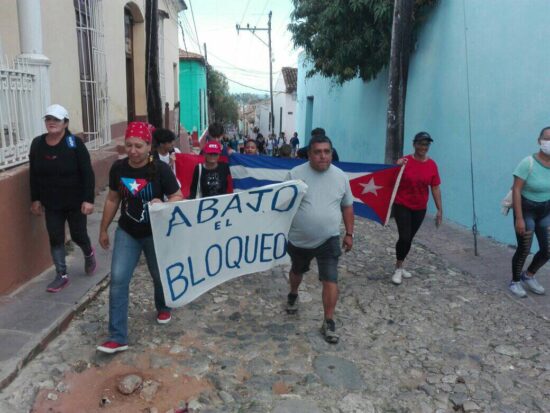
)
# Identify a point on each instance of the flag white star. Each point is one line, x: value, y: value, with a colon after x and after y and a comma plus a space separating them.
x: 370, y: 187
x: 134, y: 186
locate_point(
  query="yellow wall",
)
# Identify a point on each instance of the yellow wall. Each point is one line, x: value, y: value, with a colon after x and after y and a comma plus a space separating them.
x: 61, y: 47
x: 9, y: 32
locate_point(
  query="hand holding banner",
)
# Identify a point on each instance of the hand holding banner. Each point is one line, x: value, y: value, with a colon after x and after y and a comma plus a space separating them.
x: 202, y: 243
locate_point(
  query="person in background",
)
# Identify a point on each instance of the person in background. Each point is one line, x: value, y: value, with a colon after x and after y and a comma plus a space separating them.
x: 276, y: 144
x: 409, y: 209
x: 302, y: 153
x: 234, y: 143
x: 285, y: 151
x: 163, y: 142
x: 62, y: 185
x: 531, y: 203
x: 270, y: 145
x: 315, y: 229
x: 134, y: 182
x: 250, y: 147
x: 212, y: 177
x: 295, y: 143
x: 260, y: 141
x: 215, y: 132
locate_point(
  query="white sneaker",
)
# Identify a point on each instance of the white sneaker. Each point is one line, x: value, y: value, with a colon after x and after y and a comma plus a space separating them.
x: 517, y: 289
x: 405, y: 273
x: 396, y: 277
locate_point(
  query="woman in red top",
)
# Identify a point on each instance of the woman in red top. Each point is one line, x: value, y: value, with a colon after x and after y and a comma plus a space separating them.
x: 409, y: 208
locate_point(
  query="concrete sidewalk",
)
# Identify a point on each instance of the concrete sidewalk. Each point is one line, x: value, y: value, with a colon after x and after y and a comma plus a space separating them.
x: 30, y: 317
x: 493, y: 264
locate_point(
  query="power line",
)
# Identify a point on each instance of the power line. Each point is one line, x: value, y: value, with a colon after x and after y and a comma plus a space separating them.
x: 245, y: 10
x: 189, y: 31
x: 195, y: 25
x: 248, y: 71
x: 242, y: 84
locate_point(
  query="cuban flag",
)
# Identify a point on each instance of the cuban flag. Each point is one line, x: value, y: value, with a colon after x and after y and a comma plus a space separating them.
x: 373, y: 185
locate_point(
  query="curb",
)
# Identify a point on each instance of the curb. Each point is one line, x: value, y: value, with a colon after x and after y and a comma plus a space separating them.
x: 55, y: 330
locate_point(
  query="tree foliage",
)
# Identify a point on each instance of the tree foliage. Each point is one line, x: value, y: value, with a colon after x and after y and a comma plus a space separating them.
x: 246, y: 97
x: 348, y: 38
x: 223, y: 106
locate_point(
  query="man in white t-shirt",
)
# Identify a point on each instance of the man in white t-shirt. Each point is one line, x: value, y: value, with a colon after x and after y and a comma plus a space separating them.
x: 315, y: 230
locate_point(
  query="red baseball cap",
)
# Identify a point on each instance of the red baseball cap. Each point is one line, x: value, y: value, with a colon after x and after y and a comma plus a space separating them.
x: 213, y: 147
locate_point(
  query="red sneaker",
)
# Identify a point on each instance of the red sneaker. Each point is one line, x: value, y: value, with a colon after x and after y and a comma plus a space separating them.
x: 111, y: 347
x: 164, y: 317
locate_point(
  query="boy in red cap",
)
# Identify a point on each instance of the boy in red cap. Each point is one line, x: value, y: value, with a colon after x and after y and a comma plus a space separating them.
x: 212, y: 177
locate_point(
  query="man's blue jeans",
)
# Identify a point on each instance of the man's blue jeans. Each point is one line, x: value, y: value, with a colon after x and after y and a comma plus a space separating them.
x: 126, y: 252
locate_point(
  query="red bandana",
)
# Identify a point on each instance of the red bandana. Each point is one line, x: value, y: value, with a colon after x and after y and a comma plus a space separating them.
x: 141, y: 130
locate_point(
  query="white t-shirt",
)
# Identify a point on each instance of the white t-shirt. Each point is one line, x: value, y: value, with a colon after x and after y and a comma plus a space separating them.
x: 166, y: 158
x: 320, y: 212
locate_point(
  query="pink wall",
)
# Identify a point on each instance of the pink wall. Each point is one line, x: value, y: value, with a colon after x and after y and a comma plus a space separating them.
x: 24, y: 247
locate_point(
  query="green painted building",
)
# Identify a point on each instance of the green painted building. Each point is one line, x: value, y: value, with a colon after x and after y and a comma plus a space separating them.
x: 193, y: 96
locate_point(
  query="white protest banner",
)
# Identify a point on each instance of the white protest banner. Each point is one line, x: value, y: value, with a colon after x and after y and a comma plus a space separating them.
x: 202, y: 243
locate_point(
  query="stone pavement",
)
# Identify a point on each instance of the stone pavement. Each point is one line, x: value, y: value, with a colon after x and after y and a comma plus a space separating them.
x: 448, y: 339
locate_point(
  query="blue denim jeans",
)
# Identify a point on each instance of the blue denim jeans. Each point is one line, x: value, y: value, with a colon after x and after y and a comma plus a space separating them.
x: 537, y: 220
x: 126, y: 252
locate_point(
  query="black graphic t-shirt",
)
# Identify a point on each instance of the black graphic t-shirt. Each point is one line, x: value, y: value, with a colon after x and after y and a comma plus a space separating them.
x: 136, y: 189
x: 213, y: 181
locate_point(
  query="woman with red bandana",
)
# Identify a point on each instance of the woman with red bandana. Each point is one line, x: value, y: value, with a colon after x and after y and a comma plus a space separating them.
x: 133, y: 183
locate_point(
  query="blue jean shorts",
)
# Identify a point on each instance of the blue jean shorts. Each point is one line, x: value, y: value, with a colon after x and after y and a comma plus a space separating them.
x: 327, y: 258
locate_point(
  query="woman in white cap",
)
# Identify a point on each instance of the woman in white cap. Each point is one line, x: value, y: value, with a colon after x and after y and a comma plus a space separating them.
x: 62, y: 185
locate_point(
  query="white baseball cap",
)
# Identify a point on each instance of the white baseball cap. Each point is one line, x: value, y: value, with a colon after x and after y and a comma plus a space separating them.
x: 57, y: 111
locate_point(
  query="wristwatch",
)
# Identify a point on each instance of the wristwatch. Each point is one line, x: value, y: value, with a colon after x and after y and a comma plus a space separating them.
x: 349, y: 234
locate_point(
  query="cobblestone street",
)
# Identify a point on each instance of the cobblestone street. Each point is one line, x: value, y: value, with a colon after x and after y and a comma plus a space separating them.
x: 443, y: 341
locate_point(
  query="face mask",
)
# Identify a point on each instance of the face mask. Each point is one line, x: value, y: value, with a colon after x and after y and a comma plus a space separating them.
x: 545, y: 147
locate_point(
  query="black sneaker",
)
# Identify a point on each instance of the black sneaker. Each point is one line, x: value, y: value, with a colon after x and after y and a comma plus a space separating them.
x: 292, y: 303
x: 60, y: 282
x: 328, y: 330
x: 90, y: 263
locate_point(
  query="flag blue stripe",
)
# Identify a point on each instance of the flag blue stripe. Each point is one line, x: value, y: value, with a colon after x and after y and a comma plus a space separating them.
x: 363, y: 210
x: 270, y: 162
x: 249, y: 183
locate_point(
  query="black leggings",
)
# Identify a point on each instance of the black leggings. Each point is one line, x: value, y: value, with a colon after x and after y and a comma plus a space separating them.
x: 408, y: 222
x: 537, y: 221
x: 55, y: 224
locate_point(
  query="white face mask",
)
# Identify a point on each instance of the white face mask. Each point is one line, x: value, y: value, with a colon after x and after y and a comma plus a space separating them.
x: 545, y: 147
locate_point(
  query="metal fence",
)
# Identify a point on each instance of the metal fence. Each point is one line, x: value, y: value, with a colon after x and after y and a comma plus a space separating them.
x: 17, y: 117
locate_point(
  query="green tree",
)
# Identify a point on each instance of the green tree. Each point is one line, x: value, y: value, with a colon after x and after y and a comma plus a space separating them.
x: 223, y: 106
x: 348, y: 38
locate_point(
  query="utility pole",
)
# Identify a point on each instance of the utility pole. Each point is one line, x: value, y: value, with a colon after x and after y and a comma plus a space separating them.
x: 152, y: 84
x: 398, y: 74
x: 207, y: 92
x: 253, y: 30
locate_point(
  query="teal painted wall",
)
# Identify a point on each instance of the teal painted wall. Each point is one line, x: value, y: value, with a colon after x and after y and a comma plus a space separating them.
x: 193, y: 101
x: 480, y: 74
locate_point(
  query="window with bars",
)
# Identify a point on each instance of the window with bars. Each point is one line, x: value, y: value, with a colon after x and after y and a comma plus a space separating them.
x: 162, y: 74
x: 93, y: 73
